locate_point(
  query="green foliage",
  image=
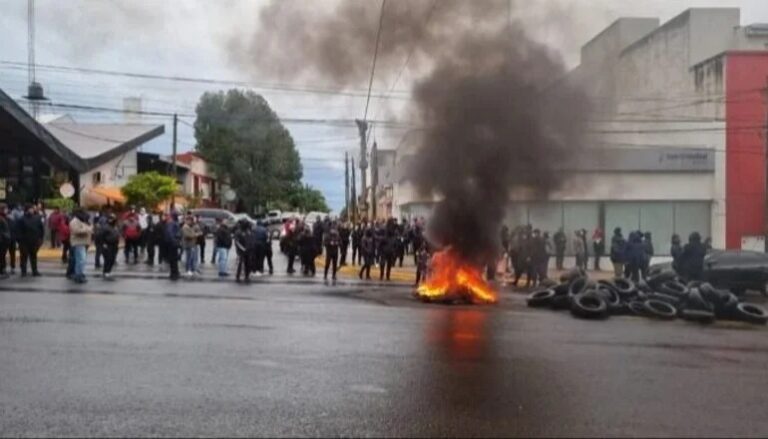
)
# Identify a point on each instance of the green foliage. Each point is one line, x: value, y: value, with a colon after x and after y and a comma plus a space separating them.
x: 66, y: 204
x: 149, y: 189
x: 307, y: 199
x: 245, y: 143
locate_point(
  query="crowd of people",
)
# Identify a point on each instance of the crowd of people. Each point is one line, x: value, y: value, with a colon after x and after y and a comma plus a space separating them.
x: 382, y: 243
x: 169, y: 239
x: 527, y: 251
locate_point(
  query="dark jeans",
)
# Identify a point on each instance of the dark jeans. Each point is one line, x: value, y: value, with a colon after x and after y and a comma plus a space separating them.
x: 132, y: 246
x: 172, y: 255
x: 344, y: 247
x: 268, y: 257
x: 28, y: 253
x: 201, y: 244
x: 244, y: 260
x: 12, y: 246
x: 331, y: 258
x: 3, y: 251
x: 366, y: 268
x: 357, y: 255
x: 421, y: 274
x: 291, y: 254
x: 98, y: 253
x: 151, y: 253
x: 65, y: 250
x: 597, y: 261
x: 559, y: 258
x: 387, y: 261
x: 110, y: 254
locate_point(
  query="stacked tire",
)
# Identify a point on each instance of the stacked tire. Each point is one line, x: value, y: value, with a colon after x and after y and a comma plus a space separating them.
x: 663, y: 296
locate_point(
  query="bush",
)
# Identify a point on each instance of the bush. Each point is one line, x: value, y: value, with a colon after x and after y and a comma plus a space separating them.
x: 61, y: 203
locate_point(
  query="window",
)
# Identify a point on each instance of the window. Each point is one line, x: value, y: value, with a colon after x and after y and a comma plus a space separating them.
x: 97, y: 178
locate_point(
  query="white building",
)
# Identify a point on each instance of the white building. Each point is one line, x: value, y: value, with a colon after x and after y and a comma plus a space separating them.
x: 678, y: 145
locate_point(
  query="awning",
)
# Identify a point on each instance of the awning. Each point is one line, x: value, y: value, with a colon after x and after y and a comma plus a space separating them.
x: 110, y: 193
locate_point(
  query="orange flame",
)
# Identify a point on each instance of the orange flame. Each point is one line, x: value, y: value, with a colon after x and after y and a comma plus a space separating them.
x: 451, y: 277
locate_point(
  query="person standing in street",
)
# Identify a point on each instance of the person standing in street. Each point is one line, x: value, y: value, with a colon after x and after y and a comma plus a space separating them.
x: 261, y: 236
x: 692, y: 259
x: 63, y: 236
x: 368, y: 252
x: 635, y: 256
x: 54, y: 219
x: 222, y: 243
x: 31, y: 232
x: 422, y: 263
x: 149, y: 240
x: 5, y: 239
x: 332, y: 241
x: 143, y: 219
x: 598, y: 246
x: 307, y: 252
x: 648, y: 253
x: 131, y: 236
x: 245, y: 245
x: 344, y: 234
x: 81, y: 233
x: 387, y: 249
x: 618, y: 252
x: 201, y: 238
x: 357, y: 237
x: 190, y: 233
x: 549, y: 250
x: 291, y: 243
x: 109, y: 239
x: 538, y: 256
x: 560, y: 241
x: 580, y: 250
x: 171, y: 240
x: 676, y: 250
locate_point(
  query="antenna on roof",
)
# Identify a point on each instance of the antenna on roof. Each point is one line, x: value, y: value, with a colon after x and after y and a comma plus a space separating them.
x: 35, y: 92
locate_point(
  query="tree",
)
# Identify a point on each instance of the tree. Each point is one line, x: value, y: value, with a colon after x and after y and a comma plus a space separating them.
x: 307, y: 199
x: 245, y: 143
x: 149, y: 189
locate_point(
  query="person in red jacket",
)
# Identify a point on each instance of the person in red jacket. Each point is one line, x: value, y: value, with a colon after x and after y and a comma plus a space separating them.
x: 62, y: 234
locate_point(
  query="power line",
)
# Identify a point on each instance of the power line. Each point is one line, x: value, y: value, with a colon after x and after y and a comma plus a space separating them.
x: 375, y: 55
x: 187, y: 79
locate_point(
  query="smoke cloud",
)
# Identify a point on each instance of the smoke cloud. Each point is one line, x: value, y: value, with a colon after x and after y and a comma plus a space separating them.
x: 497, y: 112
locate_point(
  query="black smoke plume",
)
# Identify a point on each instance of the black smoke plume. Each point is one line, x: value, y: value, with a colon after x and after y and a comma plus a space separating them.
x: 498, y: 113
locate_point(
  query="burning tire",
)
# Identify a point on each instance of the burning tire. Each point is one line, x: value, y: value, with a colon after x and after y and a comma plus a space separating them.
x: 751, y: 313
x: 589, y: 306
x: 660, y: 309
x: 540, y: 298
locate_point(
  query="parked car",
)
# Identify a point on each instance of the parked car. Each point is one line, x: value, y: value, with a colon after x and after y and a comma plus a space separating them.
x: 274, y: 217
x: 737, y: 270
x: 208, y: 217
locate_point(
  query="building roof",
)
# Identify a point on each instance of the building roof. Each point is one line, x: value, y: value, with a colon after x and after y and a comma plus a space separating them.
x: 98, y: 143
x: 80, y: 146
x: 187, y: 157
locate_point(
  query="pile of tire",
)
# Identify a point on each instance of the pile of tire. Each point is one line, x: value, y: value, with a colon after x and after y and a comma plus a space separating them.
x: 663, y: 296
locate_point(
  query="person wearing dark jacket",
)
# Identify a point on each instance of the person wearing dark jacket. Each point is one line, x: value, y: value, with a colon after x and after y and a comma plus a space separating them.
x: 598, y: 246
x: 149, y: 240
x: 388, y: 253
x: 538, y: 256
x: 307, y: 252
x: 648, y: 247
x: 109, y: 238
x: 291, y: 244
x: 560, y: 241
x: 31, y: 232
x: 245, y: 244
x: 14, y: 219
x: 357, y: 237
x: 201, y: 238
x: 676, y: 250
x: 5, y: 238
x: 691, y: 261
x: 222, y: 242
x: 261, y: 240
x: 344, y: 235
x: 158, y: 237
x: 317, y: 234
x: 635, y: 256
x: 172, y: 241
x: 368, y: 252
x: 618, y: 252
x: 332, y: 241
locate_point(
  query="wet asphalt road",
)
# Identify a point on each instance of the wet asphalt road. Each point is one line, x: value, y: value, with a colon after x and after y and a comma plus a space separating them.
x: 146, y: 357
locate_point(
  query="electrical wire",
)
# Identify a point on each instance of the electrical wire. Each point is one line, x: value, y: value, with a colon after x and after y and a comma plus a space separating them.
x: 375, y: 55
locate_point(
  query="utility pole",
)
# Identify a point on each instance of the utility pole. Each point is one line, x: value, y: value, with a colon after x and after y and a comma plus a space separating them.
x: 362, y: 127
x: 765, y: 158
x: 374, y: 178
x: 353, y: 198
x: 175, y: 171
x: 346, y: 185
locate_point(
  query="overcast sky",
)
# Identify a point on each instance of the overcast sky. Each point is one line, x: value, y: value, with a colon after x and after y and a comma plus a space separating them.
x: 189, y: 38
